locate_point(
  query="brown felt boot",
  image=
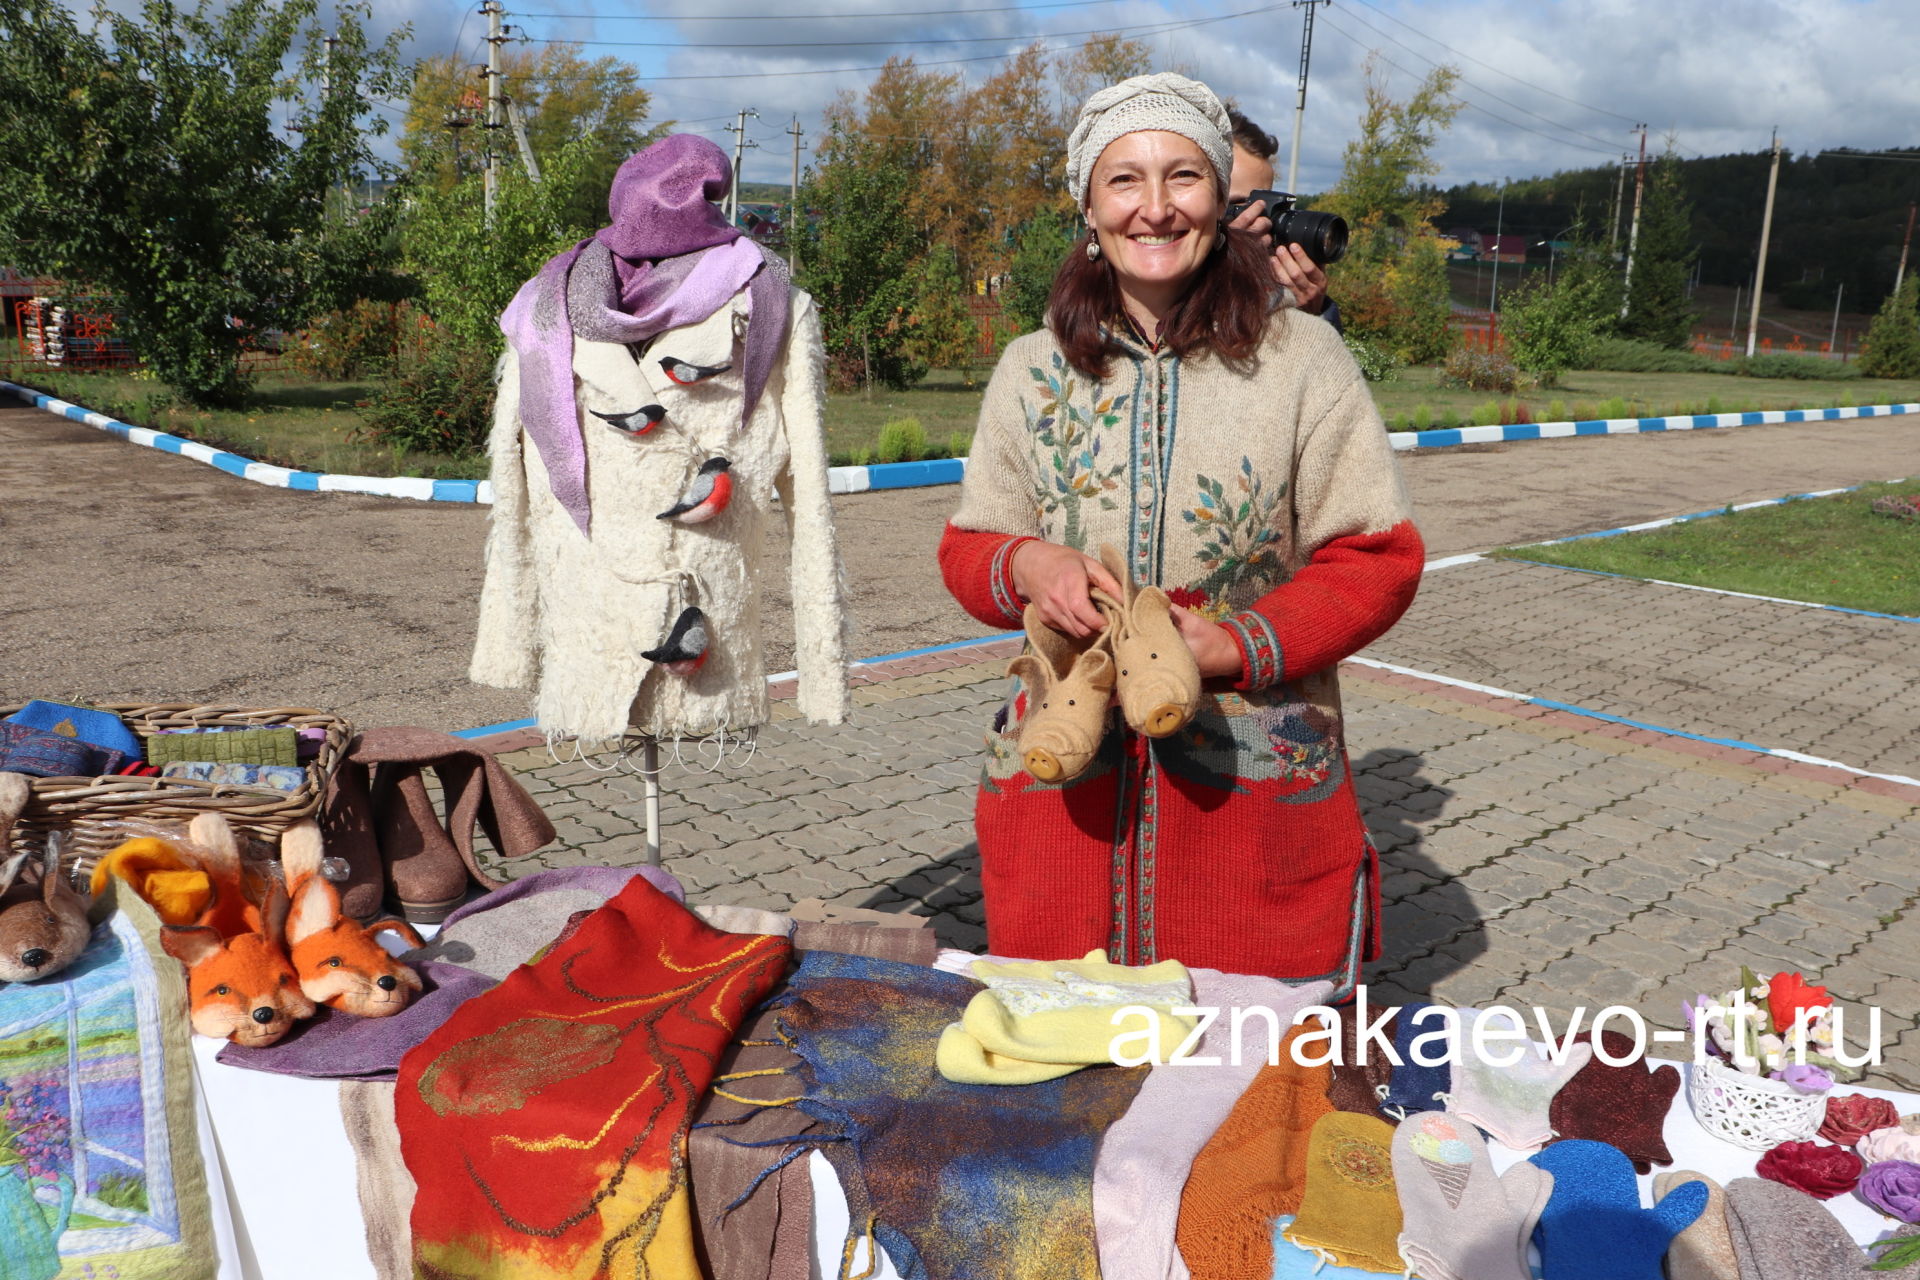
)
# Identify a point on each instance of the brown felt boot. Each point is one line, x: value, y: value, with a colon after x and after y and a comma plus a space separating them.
x: 1068, y: 684
x: 1158, y: 679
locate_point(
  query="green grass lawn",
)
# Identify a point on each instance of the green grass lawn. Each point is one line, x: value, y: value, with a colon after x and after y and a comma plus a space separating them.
x: 1823, y: 550
x: 315, y: 426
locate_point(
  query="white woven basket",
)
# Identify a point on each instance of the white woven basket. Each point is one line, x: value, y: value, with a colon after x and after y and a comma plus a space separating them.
x: 1751, y: 1111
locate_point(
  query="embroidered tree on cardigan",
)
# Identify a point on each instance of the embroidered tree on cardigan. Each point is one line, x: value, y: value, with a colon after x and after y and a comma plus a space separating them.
x: 1072, y: 437
x: 1241, y: 530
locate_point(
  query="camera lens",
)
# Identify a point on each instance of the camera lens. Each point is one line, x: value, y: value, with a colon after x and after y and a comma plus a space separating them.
x: 1322, y: 235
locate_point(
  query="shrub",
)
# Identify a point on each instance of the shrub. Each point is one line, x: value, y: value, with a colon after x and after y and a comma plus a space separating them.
x: 960, y: 444
x: 1807, y: 367
x: 1377, y: 363
x: 1631, y: 355
x: 1486, y: 413
x: 1615, y: 407
x: 902, y: 440
x: 1892, y: 346
x: 437, y: 397
x: 1422, y: 416
x: 1480, y: 370
x: 1549, y: 329
x: 1557, y: 411
x: 357, y: 342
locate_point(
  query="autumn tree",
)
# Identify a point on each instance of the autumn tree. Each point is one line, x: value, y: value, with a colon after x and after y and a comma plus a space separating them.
x: 1392, y: 284
x: 560, y: 97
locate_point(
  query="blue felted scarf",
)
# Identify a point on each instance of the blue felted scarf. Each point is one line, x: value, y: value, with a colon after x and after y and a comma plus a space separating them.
x: 1414, y: 1086
x: 956, y: 1181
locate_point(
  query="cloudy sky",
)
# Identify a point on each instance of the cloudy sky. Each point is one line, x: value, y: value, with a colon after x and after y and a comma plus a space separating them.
x: 1551, y: 84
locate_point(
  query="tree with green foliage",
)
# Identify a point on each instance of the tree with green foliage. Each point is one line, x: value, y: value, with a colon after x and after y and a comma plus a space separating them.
x: 1892, y: 346
x: 1043, y: 243
x: 142, y: 164
x: 1392, y: 284
x: 1657, y: 307
x: 857, y: 260
x: 1551, y: 325
x: 940, y: 326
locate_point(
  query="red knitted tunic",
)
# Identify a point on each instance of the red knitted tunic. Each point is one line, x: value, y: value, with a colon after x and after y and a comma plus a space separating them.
x: 1268, y: 499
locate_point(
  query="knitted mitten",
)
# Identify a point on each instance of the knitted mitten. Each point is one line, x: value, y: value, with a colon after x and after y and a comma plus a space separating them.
x: 1356, y: 1086
x: 1511, y: 1102
x: 1704, y: 1251
x: 1252, y: 1169
x: 1461, y: 1222
x: 1623, y: 1106
x: 1350, y: 1212
x: 1593, y: 1227
x: 1780, y: 1234
x: 1413, y: 1086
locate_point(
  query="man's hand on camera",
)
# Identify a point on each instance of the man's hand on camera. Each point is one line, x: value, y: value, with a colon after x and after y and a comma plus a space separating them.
x: 1294, y: 269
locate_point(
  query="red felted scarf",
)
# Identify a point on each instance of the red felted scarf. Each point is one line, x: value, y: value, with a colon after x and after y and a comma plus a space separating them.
x: 545, y: 1122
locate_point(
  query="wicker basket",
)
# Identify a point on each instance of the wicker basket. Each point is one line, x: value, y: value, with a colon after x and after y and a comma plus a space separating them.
x: 93, y: 812
x: 1751, y: 1111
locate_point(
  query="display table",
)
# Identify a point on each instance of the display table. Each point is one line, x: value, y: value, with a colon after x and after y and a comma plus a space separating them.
x: 279, y: 1145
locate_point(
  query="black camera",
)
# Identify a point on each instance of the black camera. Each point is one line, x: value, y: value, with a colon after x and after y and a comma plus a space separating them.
x: 1322, y: 235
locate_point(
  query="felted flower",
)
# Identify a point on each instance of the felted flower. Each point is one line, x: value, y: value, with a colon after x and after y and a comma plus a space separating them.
x: 1695, y: 1009
x: 1898, y: 1142
x: 1852, y: 1116
x: 1893, y: 1187
x: 1788, y: 994
x: 1821, y: 1172
x: 1804, y: 1078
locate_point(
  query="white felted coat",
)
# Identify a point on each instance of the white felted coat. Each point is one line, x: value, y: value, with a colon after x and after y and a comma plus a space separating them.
x: 571, y: 614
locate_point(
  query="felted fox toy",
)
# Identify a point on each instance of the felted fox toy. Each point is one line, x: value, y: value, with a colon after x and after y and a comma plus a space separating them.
x: 240, y: 984
x: 340, y: 962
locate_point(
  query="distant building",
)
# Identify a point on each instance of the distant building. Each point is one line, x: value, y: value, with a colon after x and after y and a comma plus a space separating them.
x: 1469, y: 241
x: 1503, y: 248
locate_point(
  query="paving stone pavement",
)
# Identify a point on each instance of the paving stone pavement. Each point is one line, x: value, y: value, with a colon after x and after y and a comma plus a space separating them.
x: 1835, y: 685
x: 1529, y: 856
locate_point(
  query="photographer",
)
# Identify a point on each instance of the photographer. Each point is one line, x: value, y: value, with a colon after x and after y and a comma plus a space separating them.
x: 1253, y: 152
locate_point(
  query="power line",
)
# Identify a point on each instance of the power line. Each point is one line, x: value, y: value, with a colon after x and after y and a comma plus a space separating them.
x: 1489, y: 66
x: 820, y: 17
x: 1147, y: 29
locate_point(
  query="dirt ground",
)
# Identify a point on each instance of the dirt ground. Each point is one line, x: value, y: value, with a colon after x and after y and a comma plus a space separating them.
x: 129, y: 574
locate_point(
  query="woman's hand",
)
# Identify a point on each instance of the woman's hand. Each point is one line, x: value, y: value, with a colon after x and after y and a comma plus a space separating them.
x: 1212, y: 645
x: 1294, y: 269
x: 1056, y: 579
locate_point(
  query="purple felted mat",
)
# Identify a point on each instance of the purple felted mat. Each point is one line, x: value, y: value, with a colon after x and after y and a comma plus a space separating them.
x: 339, y: 1046
x: 500, y: 931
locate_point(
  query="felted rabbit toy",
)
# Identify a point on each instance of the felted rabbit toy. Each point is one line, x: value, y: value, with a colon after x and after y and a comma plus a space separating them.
x: 240, y: 984
x: 43, y: 922
x: 340, y: 962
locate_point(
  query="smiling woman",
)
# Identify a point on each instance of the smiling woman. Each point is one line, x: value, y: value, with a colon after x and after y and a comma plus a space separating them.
x: 1179, y: 425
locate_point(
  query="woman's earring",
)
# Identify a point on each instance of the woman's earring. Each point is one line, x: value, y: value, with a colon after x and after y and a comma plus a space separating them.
x: 1219, y: 242
x: 1093, y: 249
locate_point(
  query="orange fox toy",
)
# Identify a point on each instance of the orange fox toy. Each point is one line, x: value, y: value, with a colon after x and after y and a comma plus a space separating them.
x: 240, y: 985
x: 340, y: 963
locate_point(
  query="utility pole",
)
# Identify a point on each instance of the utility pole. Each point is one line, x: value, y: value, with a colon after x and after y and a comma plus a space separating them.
x: 520, y: 139
x: 496, y: 36
x: 1833, y: 337
x: 1733, y: 321
x: 1633, y: 234
x: 1499, y: 225
x: 740, y: 144
x: 1900, y: 272
x: 1300, y: 105
x: 1619, y: 197
x: 1766, y: 230
x: 793, y: 203
x: 326, y: 96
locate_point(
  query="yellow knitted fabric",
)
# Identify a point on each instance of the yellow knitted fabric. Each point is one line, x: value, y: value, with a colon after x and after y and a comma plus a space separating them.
x: 1251, y: 1171
x: 1039, y: 1020
x: 1351, y: 1209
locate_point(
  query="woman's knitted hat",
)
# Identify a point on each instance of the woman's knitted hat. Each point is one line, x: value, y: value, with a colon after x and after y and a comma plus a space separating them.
x: 1162, y: 101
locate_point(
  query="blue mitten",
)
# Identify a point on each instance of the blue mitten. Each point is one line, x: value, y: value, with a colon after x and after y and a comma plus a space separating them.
x: 1593, y: 1227
x: 1413, y: 1086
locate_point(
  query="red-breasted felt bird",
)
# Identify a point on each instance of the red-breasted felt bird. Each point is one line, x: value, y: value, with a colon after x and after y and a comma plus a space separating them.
x: 685, y: 374
x: 637, y: 423
x: 685, y: 651
x: 706, y: 497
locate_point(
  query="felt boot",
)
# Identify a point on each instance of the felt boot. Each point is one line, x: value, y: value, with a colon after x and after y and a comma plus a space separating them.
x: 427, y: 873
x: 1158, y: 679
x: 1068, y: 685
x: 1704, y: 1251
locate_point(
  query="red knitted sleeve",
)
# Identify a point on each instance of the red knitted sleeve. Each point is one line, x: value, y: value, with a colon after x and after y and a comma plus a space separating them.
x: 1344, y: 598
x: 977, y: 568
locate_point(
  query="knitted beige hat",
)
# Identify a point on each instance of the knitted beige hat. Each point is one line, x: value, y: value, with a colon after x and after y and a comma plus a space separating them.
x: 1162, y: 101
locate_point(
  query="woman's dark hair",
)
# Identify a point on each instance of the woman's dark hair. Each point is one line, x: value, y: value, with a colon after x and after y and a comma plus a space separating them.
x: 1224, y: 310
x: 1249, y: 136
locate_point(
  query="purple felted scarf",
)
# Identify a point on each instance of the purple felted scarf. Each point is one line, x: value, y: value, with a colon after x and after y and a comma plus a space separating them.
x: 668, y: 259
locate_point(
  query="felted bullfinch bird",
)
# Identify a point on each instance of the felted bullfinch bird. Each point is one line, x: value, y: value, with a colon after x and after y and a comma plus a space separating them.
x: 706, y: 497
x: 685, y: 374
x: 685, y: 651
x: 637, y: 423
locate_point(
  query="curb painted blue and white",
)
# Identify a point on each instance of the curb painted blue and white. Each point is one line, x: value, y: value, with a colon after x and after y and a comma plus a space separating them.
x: 891, y: 475
x: 1451, y: 436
